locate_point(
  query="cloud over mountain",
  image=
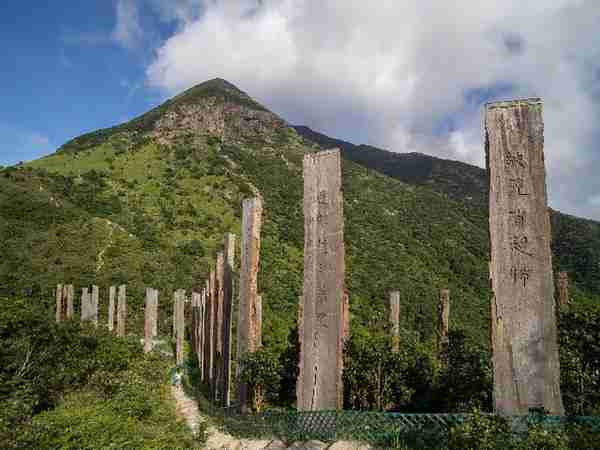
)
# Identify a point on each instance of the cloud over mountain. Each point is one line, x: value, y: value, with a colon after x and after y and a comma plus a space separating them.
x: 407, y: 76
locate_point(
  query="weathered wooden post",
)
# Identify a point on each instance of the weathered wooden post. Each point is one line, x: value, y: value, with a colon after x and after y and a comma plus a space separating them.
x: 208, y: 327
x: 563, y: 289
x: 524, y: 336
x: 249, y: 259
x: 85, y: 304
x: 95, y: 300
x: 202, y: 331
x: 150, y: 318
x: 195, y: 325
x: 443, y: 319
x: 395, y: 320
x: 69, y: 293
x: 227, y: 290
x: 324, y: 324
x: 59, y: 302
x: 179, y: 313
x: 112, y: 294
x: 218, y: 329
x: 121, y: 310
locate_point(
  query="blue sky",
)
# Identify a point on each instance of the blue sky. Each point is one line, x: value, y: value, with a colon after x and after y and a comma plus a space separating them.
x: 66, y: 72
x: 404, y: 76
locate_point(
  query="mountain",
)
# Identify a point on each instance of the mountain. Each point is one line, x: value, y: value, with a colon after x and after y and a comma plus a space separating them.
x: 147, y: 203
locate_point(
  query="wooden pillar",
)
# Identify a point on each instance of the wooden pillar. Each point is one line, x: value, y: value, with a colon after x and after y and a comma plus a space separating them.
x: 218, y: 330
x: 150, y: 318
x: 85, y: 304
x: 395, y: 320
x: 524, y: 335
x: 112, y: 294
x: 121, y: 310
x: 227, y: 316
x: 443, y: 319
x: 69, y: 293
x: 59, y: 302
x: 95, y: 300
x: 320, y: 382
x: 202, y: 355
x: 208, y: 327
x: 212, y: 293
x: 179, y: 314
x: 249, y: 259
x: 563, y: 289
x: 196, y: 327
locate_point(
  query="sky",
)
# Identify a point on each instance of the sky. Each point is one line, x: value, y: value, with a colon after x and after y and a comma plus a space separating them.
x: 401, y: 75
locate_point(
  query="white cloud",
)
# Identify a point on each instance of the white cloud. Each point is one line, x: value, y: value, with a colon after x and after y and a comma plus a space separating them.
x: 127, y: 32
x: 407, y: 76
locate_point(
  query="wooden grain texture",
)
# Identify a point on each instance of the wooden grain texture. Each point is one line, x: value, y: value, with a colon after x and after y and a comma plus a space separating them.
x: 252, y: 209
x: 94, y: 303
x: 59, y: 303
x: 150, y: 318
x: 85, y: 304
x: 112, y: 295
x: 523, y: 331
x: 202, y: 356
x: 179, y: 313
x: 395, y: 320
x: 218, y: 329
x: 122, y: 311
x: 211, y: 326
x: 207, y: 334
x: 227, y: 315
x: 324, y: 325
x: 68, y: 296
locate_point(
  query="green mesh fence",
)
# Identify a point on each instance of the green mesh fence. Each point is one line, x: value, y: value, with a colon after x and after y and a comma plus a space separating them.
x: 378, y: 428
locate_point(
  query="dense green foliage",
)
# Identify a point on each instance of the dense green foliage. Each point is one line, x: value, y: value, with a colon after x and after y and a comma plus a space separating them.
x: 260, y: 371
x: 73, y: 387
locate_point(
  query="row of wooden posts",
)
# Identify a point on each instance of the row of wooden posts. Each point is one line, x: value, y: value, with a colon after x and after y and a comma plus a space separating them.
x: 523, y: 328
x: 65, y: 295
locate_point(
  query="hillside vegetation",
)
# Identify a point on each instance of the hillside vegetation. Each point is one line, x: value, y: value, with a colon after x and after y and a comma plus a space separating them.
x: 147, y: 203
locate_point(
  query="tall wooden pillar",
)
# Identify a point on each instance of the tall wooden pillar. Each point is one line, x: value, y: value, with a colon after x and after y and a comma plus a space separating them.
x: 112, y: 295
x: 121, y: 310
x: 524, y: 336
x: 69, y: 294
x: 59, y: 302
x: 249, y: 259
x: 319, y: 385
x: 95, y: 300
x: 150, y: 318
x: 179, y: 314
x: 227, y: 291
x: 85, y: 304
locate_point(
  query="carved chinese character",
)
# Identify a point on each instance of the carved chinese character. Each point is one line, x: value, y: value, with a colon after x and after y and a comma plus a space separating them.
x: 517, y: 186
x: 514, y: 160
x: 519, y: 244
x: 322, y: 319
x: 521, y: 274
x: 323, y: 198
x: 321, y: 217
x: 518, y: 217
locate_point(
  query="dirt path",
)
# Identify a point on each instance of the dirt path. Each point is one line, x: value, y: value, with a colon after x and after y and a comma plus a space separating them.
x: 217, y: 440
